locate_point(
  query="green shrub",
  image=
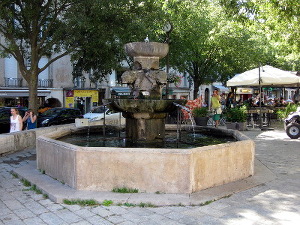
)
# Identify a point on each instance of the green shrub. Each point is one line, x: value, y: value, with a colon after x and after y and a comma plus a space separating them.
x: 236, y: 114
x: 283, y: 113
x: 200, y: 112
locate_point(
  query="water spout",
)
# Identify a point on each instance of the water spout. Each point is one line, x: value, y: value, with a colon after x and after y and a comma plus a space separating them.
x: 182, y: 107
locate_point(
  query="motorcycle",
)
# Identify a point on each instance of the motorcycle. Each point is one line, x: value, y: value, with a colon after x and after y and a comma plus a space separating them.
x: 292, y: 124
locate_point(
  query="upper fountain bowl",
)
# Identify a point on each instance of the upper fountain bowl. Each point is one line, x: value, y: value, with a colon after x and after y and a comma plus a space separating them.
x: 149, y: 49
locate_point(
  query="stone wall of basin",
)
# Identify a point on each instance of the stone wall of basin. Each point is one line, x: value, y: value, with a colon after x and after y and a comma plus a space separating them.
x: 148, y: 170
x: 13, y: 142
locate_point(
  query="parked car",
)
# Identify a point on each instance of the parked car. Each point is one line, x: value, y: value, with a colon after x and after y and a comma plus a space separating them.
x: 5, y: 118
x: 56, y: 116
x: 98, y: 114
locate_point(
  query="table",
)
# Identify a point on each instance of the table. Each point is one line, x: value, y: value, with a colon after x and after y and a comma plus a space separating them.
x: 254, y: 117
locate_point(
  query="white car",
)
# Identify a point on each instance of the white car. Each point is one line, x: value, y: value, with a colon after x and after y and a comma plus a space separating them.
x: 98, y: 114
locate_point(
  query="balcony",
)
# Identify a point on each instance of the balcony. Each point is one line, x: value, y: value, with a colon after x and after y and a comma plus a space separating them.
x: 45, y: 83
x: 18, y: 82
x: 79, y: 82
x: 13, y: 82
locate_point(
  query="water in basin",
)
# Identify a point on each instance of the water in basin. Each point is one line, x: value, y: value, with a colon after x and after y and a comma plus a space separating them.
x: 114, y: 138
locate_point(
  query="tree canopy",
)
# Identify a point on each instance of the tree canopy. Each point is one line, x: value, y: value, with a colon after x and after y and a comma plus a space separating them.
x: 209, y: 46
x: 33, y: 29
x: 278, y: 21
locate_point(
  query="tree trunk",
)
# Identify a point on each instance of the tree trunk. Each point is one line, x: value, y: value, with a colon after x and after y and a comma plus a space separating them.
x: 196, y: 89
x: 33, y: 97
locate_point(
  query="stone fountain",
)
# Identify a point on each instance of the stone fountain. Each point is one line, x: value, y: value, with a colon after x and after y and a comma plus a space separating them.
x: 145, y: 114
x: 150, y: 170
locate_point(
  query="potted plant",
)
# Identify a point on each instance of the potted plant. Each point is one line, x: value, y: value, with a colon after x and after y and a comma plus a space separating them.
x: 201, y: 115
x: 236, y: 118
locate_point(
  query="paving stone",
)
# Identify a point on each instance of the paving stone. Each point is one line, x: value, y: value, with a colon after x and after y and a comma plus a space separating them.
x: 34, y: 221
x: 9, y: 217
x: 128, y: 223
x: 115, y: 219
x: 84, y: 213
x: 72, y: 207
x: 54, y: 207
x: 46, y: 202
x: 82, y: 222
x: 4, y: 211
x: 51, y: 219
x: 140, y: 211
x: 96, y: 220
x: 157, y: 218
x: 68, y: 216
x: 102, y: 211
x: 135, y: 218
x: 36, y: 208
x: 13, y: 204
x: 118, y: 210
x: 14, y: 222
x: 24, y: 213
x: 187, y: 220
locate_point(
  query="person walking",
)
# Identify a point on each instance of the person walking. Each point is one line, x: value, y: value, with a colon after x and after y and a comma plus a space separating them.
x: 16, y: 122
x: 30, y: 119
x: 216, y: 107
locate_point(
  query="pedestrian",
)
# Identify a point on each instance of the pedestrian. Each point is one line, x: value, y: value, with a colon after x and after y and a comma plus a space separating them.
x: 216, y: 107
x: 30, y: 119
x: 230, y: 100
x: 16, y: 122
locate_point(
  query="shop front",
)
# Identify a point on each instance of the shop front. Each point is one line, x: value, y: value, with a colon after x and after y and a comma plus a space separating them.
x: 17, y: 98
x: 244, y: 93
x: 84, y: 100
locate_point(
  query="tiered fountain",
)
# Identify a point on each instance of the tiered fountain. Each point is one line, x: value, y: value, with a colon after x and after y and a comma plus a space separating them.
x: 145, y: 114
x: 150, y: 170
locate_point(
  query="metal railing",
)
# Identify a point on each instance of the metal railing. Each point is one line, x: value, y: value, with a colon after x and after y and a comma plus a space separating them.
x: 13, y: 82
x: 46, y: 83
x: 18, y: 82
x: 79, y: 82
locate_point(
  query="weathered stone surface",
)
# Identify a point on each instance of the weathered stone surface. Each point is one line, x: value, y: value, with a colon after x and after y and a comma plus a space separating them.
x: 149, y: 170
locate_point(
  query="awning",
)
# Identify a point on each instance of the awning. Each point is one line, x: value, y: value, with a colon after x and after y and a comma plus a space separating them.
x: 120, y: 91
x: 265, y: 76
x: 22, y: 93
x: 221, y: 88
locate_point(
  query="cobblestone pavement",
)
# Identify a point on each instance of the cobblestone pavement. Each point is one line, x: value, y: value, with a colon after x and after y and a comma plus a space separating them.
x: 276, y: 202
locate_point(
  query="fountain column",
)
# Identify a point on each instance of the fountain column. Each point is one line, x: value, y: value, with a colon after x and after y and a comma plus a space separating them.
x: 146, y: 111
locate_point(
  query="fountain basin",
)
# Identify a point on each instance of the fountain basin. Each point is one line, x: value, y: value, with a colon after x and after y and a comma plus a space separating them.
x: 149, y: 49
x: 148, y: 170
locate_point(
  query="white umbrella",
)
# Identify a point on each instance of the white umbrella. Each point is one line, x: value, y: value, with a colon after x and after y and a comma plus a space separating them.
x: 269, y: 76
x: 264, y: 76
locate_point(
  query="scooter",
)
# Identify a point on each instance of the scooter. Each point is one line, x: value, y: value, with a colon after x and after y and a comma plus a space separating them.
x: 292, y: 124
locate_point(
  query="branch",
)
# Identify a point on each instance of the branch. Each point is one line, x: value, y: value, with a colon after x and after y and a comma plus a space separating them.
x: 52, y: 60
x: 46, y: 13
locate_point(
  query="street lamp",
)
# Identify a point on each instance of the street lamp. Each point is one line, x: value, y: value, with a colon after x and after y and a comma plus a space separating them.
x: 167, y: 28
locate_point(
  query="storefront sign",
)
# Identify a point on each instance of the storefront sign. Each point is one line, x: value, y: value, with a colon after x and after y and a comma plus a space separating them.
x: 244, y: 90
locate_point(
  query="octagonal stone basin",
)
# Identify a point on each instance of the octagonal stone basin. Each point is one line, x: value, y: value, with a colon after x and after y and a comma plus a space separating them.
x: 148, y: 170
x: 149, y: 49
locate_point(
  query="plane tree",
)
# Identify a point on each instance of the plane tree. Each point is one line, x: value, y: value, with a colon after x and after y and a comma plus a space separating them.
x: 92, y: 32
x: 208, y: 46
x: 278, y: 20
x: 32, y: 29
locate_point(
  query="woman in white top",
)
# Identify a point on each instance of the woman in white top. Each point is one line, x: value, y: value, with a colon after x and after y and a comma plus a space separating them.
x: 16, y: 122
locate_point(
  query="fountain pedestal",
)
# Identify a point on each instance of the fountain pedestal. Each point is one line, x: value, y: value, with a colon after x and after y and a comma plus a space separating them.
x: 145, y: 118
x: 138, y: 125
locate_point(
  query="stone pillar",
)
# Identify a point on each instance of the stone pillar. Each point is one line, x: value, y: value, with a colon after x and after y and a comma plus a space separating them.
x: 145, y: 127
